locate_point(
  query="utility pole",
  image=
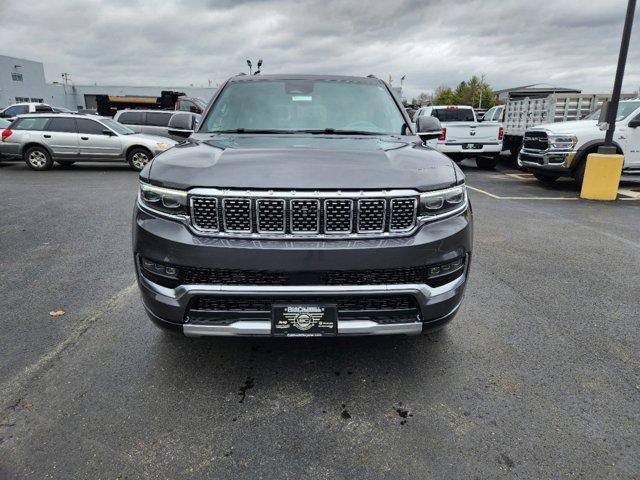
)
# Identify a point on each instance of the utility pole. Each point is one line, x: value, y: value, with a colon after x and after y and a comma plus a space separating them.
x: 612, y: 111
x: 65, y: 76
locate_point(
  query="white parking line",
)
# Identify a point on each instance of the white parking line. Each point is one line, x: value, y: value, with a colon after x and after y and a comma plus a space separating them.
x: 498, y: 197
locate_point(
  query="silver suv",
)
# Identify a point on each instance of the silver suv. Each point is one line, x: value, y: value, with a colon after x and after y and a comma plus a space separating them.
x: 41, y: 139
x: 155, y: 122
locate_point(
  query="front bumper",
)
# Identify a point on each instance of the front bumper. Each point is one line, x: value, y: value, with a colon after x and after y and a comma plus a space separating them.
x: 556, y: 161
x: 171, y: 242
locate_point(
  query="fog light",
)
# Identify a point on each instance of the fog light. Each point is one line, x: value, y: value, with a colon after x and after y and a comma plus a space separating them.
x: 159, y: 269
x: 445, y: 268
x: 171, y: 271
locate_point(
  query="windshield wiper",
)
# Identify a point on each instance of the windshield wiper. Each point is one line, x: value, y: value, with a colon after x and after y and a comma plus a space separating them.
x: 324, y: 131
x: 249, y: 130
x: 333, y: 131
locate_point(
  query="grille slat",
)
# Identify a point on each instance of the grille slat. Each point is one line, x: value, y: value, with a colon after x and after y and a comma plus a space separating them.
x: 237, y: 214
x: 248, y: 213
x: 205, y: 213
x: 338, y: 216
x: 371, y: 215
x: 403, y: 214
x: 305, y: 216
x: 271, y: 215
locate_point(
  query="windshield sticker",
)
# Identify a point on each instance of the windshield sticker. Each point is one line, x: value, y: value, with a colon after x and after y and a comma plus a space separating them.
x: 300, y: 98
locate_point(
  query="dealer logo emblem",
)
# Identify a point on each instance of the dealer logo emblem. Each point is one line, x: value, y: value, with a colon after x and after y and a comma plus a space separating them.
x: 303, y: 318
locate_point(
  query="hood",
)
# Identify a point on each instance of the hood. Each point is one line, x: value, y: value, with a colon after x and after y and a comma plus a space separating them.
x: 568, y: 127
x: 302, y: 162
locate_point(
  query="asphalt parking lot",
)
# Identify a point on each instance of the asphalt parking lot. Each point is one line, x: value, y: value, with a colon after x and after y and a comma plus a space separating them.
x: 537, y: 377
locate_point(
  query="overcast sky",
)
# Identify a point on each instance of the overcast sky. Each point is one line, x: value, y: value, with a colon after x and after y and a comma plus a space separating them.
x: 571, y: 43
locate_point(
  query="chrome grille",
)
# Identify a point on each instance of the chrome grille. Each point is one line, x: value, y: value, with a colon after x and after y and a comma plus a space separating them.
x: 403, y: 214
x: 330, y: 214
x: 371, y: 215
x: 535, y: 140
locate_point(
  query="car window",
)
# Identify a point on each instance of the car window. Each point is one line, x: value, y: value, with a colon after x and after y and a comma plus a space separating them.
x: 624, y: 110
x: 158, y: 119
x: 16, y: 110
x: 184, y: 105
x: 62, y: 124
x: 453, y: 114
x: 90, y: 127
x: 131, y: 118
x: 30, y: 123
x: 43, y: 108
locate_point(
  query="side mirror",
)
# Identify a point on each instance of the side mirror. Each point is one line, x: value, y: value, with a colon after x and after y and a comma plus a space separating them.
x: 108, y: 133
x: 428, y: 127
x: 635, y: 123
x: 181, y: 124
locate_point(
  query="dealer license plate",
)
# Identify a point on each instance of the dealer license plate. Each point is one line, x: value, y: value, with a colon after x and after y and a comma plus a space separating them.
x: 303, y: 320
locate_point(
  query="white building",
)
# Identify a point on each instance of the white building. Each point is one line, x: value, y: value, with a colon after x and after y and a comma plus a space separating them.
x: 23, y: 80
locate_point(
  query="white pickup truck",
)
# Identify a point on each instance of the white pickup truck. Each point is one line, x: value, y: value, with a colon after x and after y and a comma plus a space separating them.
x: 463, y: 136
x: 553, y: 150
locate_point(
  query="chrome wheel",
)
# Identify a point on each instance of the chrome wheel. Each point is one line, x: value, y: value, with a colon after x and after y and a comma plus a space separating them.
x: 139, y: 160
x: 37, y: 159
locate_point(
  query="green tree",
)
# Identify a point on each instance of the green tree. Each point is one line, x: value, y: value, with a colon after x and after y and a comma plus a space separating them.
x: 444, y: 96
x: 474, y: 92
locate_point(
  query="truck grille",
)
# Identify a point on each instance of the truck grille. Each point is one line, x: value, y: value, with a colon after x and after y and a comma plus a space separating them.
x: 535, y: 141
x: 276, y: 216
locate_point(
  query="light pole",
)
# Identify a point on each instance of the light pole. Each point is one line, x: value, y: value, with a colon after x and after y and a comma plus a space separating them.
x: 612, y: 111
x: 251, y: 72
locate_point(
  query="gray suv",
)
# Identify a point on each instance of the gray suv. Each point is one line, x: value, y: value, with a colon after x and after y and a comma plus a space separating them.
x: 303, y: 206
x: 41, y: 139
x: 156, y: 122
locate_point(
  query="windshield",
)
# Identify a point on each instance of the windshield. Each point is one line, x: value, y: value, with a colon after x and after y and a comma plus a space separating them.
x: 298, y: 105
x: 200, y: 103
x: 624, y: 110
x: 116, y: 127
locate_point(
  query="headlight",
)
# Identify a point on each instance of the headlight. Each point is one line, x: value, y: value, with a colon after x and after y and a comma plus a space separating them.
x: 442, y: 203
x: 163, y: 146
x: 164, y: 200
x: 562, y: 141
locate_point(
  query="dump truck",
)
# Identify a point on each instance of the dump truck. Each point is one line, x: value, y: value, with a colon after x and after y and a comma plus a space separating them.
x: 520, y: 114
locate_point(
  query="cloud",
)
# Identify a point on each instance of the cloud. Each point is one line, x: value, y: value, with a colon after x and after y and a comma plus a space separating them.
x: 567, y: 43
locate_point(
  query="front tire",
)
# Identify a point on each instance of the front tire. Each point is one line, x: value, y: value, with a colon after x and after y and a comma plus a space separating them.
x: 138, y: 158
x: 578, y: 175
x: 486, y: 163
x: 545, y: 178
x: 38, y: 158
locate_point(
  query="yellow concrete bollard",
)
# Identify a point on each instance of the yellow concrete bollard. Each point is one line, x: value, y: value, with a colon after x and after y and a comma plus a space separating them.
x: 602, y: 177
